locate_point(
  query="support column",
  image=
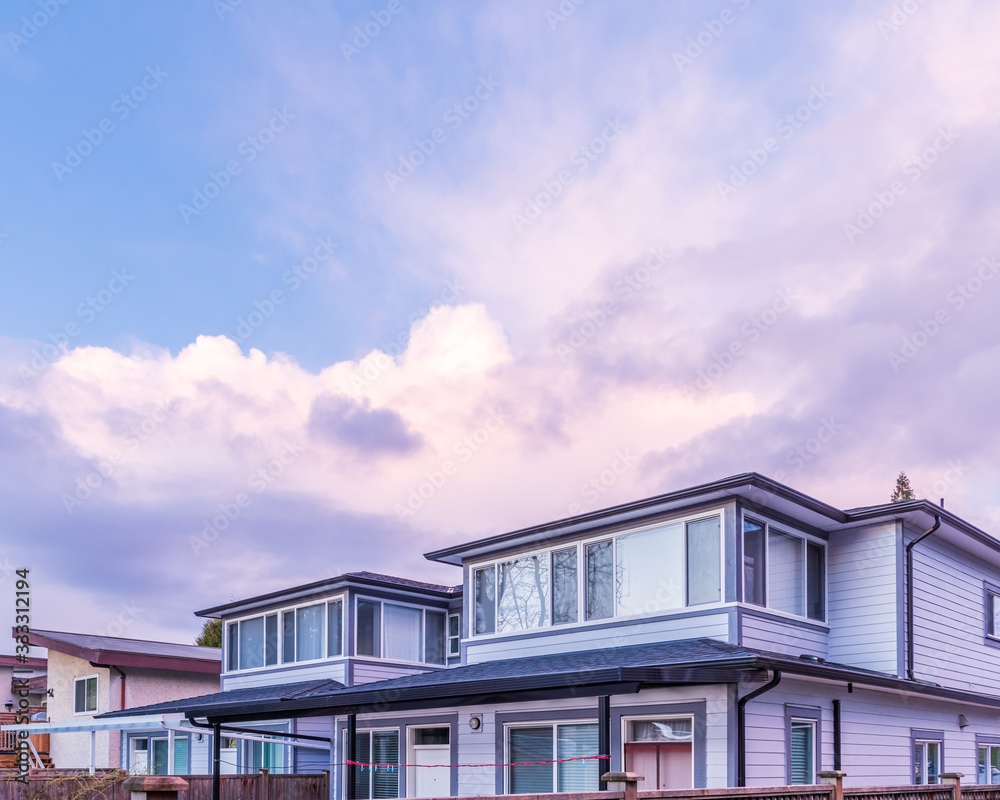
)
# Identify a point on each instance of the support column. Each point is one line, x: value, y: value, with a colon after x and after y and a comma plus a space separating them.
x: 954, y: 780
x: 627, y: 782
x: 352, y: 749
x: 170, y: 752
x: 93, y: 752
x: 604, y: 738
x: 834, y: 778
x: 216, y: 759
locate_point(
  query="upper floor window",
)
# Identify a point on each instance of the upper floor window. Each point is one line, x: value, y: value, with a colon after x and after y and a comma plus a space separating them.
x: 647, y: 572
x: 783, y: 571
x: 400, y: 633
x: 306, y: 633
x: 454, y: 635
x: 85, y: 695
x: 993, y: 612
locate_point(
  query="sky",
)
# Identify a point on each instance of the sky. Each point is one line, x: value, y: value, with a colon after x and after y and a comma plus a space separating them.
x: 295, y: 290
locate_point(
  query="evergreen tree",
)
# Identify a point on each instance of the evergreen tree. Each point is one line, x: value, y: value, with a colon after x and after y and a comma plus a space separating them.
x: 211, y: 634
x: 903, y: 490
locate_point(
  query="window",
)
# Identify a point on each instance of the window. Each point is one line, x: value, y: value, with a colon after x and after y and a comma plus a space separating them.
x: 783, y: 571
x: 644, y: 572
x: 989, y: 762
x: 927, y: 757
x: 400, y: 633
x: 552, y: 743
x: 454, y: 635
x: 992, y: 612
x: 382, y: 748
x: 802, y: 751
x: 660, y: 750
x: 85, y: 695
x: 306, y: 633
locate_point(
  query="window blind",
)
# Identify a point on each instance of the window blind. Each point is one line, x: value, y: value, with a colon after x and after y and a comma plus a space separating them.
x: 530, y: 744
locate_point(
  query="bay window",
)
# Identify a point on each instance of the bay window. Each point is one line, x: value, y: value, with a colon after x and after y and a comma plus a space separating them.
x: 644, y: 572
x: 783, y: 571
x: 400, y: 633
x: 306, y: 633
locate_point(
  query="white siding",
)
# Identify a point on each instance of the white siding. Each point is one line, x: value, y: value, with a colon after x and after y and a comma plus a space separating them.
x: 781, y: 636
x: 711, y: 626
x: 876, y: 732
x: 308, y: 760
x: 863, y: 597
x: 949, y: 618
x: 336, y: 670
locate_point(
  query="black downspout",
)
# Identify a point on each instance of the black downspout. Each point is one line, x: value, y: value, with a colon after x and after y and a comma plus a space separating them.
x: 909, y: 594
x: 216, y: 761
x: 836, y: 735
x: 741, y: 725
x: 604, y: 737
x: 352, y: 754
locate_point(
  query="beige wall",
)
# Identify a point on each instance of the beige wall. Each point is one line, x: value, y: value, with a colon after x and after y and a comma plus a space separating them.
x: 142, y: 687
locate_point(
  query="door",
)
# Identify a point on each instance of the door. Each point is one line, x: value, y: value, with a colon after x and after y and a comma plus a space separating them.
x: 662, y: 766
x: 430, y: 748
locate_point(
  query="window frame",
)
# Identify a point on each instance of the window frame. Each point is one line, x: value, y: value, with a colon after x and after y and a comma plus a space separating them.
x: 799, y: 715
x: 554, y: 724
x: 988, y: 743
x: 991, y: 595
x: 924, y: 738
x: 423, y: 629
x: 581, y: 575
x: 402, y: 740
x: 807, y: 539
x: 279, y: 612
x: 457, y: 638
x: 96, y: 678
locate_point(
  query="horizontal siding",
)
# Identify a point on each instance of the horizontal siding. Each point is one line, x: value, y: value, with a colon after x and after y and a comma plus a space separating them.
x: 309, y: 760
x: 863, y: 598
x: 365, y: 672
x: 201, y: 756
x: 949, y: 618
x: 711, y: 626
x: 291, y: 674
x: 781, y: 636
x: 876, y: 732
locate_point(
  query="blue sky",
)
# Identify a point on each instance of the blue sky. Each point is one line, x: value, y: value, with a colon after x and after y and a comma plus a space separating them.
x: 543, y: 243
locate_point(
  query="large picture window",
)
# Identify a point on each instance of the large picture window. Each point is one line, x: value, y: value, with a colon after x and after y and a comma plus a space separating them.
x: 645, y: 572
x: 783, y: 571
x: 306, y: 633
x: 552, y: 744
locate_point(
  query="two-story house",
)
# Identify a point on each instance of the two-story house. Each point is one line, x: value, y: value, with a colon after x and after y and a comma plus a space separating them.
x: 737, y: 632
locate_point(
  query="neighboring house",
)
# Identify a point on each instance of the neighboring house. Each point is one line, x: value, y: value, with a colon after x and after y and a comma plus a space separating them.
x: 22, y: 679
x: 737, y: 632
x: 92, y: 675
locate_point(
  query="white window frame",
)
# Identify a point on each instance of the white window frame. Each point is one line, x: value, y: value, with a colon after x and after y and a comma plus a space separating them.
x: 922, y: 743
x: 381, y: 629
x: 806, y: 539
x: 653, y: 717
x: 541, y: 723
x: 581, y: 576
x: 368, y: 732
x: 97, y: 695
x: 813, y: 724
x: 324, y: 601
x: 989, y: 747
x: 992, y: 599
x: 457, y: 638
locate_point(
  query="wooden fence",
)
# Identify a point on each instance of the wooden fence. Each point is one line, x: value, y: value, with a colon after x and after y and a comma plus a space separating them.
x: 107, y: 785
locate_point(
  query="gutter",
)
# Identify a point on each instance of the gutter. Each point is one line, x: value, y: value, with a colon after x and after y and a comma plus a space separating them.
x: 741, y: 725
x: 909, y: 595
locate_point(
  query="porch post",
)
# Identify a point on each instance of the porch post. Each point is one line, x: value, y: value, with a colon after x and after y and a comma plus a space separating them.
x: 216, y: 758
x: 954, y: 780
x: 170, y: 752
x: 93, y: 752
x: 834, y: 778
x: 604, y: 738
x: 350, y: 755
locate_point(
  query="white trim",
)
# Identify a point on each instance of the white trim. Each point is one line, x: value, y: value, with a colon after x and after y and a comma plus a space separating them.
x: 540, y: 723
x: 813, y: 725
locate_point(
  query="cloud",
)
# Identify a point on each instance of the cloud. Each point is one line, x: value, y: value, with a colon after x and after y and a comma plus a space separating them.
x: 371, y: 432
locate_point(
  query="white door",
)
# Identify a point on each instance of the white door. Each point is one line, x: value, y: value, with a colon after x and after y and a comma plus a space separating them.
x: 430, y: 780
